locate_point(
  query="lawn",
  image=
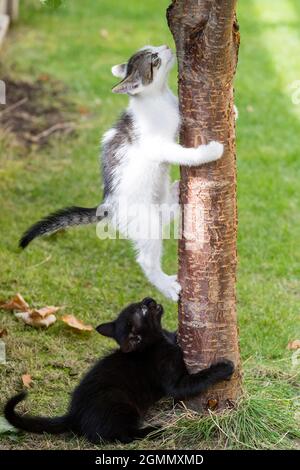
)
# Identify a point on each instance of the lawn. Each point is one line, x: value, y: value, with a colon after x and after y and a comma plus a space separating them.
x: 92, y: 278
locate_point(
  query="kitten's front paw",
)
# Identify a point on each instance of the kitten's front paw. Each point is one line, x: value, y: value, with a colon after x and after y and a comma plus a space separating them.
x: 170, y: 287
x: 223, y: 369
x: 214, y: 151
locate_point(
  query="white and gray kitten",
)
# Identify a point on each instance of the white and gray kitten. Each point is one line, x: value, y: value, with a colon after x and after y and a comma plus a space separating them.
x: 136, y: 154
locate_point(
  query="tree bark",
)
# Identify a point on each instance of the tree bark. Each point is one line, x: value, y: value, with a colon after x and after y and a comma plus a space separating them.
x: 207, y: 42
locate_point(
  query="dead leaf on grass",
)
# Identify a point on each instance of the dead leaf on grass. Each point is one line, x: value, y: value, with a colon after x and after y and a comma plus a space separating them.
x: 26, y: 380
x: 44, y: 77
x: 212, y: 403
x: 83, y: 110
x: 73, y: 322
x: 3, y: 332
x: 44, y: 311
x: 32, y: 318
x: 293, y: 345
x: 16, y: 303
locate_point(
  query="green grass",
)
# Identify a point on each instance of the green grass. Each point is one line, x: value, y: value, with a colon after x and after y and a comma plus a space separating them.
x: 93, y: 279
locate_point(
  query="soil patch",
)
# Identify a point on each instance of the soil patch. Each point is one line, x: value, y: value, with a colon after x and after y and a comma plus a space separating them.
x: 36, y: 111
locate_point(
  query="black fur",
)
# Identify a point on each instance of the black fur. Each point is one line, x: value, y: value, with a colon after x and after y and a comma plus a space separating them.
x: 59, y: 220
x: 33, y: 424
x: 113, y: 397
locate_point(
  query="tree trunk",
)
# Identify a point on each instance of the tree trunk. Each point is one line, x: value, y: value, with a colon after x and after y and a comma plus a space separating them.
x: 207, y: 42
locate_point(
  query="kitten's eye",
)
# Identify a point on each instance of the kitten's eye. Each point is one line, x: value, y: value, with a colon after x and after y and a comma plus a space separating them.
x: 128, y: 324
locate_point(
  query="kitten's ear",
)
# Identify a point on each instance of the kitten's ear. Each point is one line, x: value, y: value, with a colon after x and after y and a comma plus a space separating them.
x: 119, y: 70
x: 128, y: 85
x: 107, y: 329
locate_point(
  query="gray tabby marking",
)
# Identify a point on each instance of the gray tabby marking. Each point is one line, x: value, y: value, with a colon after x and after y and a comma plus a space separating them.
x: 112, y: 157
x: 141, y: 65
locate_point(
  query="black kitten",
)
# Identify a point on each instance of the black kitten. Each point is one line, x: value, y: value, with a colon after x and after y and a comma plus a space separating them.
x: 113, y: 397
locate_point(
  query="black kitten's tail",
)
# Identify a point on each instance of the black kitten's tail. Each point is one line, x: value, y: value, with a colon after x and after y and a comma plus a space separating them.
x: 61, y: 219
x: 36, y: 424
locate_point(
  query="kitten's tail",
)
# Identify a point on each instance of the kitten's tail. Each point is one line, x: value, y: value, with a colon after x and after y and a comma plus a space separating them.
x: 35, y: 424
x: 61, y: 219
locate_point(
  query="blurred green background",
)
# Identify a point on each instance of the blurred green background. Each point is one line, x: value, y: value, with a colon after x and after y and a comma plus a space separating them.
x: 77, y: 44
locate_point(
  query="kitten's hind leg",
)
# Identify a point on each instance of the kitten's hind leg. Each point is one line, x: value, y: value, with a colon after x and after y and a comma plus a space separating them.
x: 121, y: 424
x: 149, y: 258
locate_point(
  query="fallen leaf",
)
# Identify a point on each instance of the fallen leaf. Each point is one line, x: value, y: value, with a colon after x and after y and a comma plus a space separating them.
x: 212, y: 403
x: 36, y: 320
x: 3, y: 332
x: 31, y: 316
x: 293, y: 345
x: 16, y: 303
x: 27, y: 380
x: 39, y: 316
x: 44, y: 77
x: 73, y: 322
x: 43, y: 312
x: 104, y: 33
x: 83, y: 110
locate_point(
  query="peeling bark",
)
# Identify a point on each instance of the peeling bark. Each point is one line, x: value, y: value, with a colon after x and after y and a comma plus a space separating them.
x: 207, y: 42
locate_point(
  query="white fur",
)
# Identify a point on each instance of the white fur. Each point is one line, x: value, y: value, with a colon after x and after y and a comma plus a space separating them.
x: 108, y: 135
x: 143, y: 175
x: 119, y: 70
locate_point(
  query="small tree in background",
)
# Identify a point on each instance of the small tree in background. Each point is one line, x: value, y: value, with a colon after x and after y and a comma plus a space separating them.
x: 207, y: 42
